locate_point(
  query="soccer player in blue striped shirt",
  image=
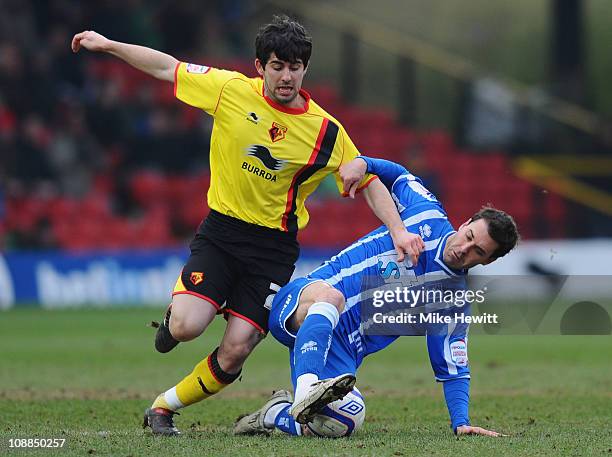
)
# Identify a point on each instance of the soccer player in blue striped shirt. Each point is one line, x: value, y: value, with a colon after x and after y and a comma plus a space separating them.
x: 318, y: 317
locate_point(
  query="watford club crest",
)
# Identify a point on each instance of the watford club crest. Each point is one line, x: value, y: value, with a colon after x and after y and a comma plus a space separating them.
x: 196, y: 277
x: 277, y: 132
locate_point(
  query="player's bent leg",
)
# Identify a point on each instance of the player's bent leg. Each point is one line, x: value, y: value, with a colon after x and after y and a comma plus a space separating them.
x: 186, y: 318
x: 313, y: 293
x: 208, y: 377
x: 315, y: 318
x: 238, y: 342
x: 221, y: 367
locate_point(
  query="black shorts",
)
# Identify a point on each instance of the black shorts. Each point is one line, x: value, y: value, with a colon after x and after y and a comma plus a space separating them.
x: 238, y: 267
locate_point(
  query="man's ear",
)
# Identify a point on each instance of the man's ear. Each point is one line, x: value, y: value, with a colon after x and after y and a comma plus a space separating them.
x: 259, y: 67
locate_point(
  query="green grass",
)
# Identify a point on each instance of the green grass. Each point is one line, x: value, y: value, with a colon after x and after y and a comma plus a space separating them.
x: 87, y: 375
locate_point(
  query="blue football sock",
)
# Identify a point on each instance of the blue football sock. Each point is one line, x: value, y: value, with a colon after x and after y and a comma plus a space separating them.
x: 286, y: 423
x: 314, y: 338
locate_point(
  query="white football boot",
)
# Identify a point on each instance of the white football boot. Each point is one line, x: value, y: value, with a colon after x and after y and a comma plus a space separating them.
x: 253, y: 424
x: 321, y: 393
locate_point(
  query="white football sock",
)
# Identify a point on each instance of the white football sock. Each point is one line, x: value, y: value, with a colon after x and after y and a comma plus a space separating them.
x: 302, y: 385
x: 172, y: 399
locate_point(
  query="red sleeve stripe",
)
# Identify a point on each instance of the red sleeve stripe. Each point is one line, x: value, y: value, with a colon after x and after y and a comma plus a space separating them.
x: 363, y: 187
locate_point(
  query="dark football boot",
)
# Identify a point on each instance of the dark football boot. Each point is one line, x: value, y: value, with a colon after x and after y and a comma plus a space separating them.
x: 164, y: 342
x: 161, y: 422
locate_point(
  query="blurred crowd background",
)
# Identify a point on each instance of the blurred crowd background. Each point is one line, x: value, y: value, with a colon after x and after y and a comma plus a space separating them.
x: 95, y: 155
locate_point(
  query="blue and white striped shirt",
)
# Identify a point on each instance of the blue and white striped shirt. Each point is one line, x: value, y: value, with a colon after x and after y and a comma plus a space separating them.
x: 374, y: 256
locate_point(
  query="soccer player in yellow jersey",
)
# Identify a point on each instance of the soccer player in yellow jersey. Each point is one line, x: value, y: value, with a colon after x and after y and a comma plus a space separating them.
x: 271, y: 146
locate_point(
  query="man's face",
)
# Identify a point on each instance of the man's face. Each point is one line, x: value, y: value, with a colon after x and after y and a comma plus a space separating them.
x: 282, y: 80
x: 470, y: 246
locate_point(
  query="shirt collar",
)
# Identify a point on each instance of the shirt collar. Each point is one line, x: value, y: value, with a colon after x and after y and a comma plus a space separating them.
x: 284, y: 108
x: 439, y: 259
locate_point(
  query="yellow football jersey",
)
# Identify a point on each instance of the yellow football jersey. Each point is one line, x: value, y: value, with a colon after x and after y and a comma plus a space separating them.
x: 265, y: 158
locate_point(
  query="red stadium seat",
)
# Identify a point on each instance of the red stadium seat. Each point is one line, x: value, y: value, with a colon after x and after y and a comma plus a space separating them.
x: 326, y: 96
x: 148, y: 188
x: 95, y: 206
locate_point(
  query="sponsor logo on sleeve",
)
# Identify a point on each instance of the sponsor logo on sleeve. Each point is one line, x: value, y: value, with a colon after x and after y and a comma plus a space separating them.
x: 458, y: 351
x: 420, y: 189
x: 194, y: 68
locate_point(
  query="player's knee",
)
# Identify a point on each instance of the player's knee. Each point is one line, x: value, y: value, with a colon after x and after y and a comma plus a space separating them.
x: 316, y: 293
x: 332, y: 296
x: 182, y: 329
x: 190, y: 317
x: 328, y: 295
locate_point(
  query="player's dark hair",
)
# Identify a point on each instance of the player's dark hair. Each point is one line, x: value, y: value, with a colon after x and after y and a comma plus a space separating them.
x: 501, y: 228
x: 284, y: 37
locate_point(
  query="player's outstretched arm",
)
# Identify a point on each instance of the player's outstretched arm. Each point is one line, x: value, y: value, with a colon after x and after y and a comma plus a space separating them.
x: 471, y: 430
x: 150, y: 61
x: 382, y: 204
x: 353, y: 172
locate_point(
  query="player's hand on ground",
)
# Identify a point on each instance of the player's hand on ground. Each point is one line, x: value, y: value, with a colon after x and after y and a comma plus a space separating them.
x: 351, y: 174
x: 469, y: 430
x: 89, y: 40
x: 408, y: 244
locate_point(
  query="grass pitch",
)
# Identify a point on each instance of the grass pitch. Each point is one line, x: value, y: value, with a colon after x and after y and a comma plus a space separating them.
x: 87, y: 375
